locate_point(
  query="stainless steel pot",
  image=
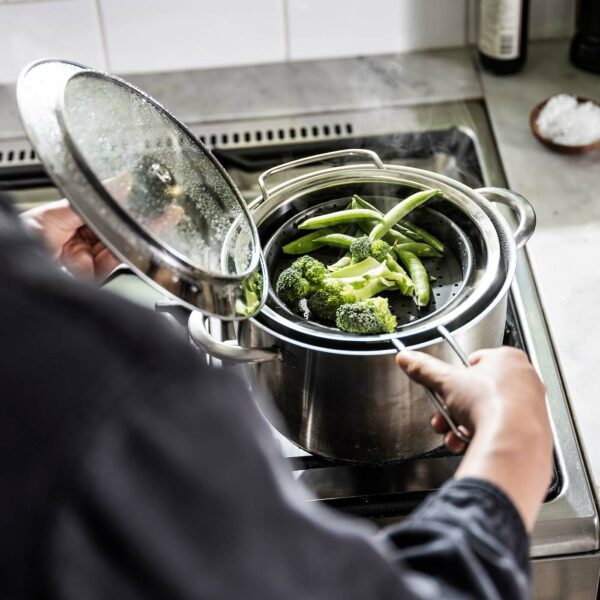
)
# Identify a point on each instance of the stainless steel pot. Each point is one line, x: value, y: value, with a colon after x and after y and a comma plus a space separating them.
x: 178, y: 220
x: 346, y: 399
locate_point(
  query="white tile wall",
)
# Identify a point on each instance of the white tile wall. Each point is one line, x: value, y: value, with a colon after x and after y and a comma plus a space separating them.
x: 551, y: 18
x: 432, y: 24
x: 326, y: 28
x: 62, y: 28
x: 155, y: 35
x: 158, y: 35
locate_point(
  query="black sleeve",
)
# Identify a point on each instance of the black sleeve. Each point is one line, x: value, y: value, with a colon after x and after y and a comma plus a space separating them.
x: 135, y: 472
x: 188, y: 498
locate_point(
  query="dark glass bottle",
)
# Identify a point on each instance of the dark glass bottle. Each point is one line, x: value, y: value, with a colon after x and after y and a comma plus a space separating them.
x: 585, y: 47
x: 502, y: 43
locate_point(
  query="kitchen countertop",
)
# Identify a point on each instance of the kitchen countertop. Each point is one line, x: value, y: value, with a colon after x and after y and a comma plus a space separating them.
x: 565, y: 190
x: 565, y: 250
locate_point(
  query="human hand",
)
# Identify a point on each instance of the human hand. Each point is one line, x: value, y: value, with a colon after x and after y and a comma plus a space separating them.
x: 500, y: 401
x: 69, y: 240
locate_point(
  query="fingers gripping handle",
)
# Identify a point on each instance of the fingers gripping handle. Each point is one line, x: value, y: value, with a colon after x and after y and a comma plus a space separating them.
x: 437, y: 402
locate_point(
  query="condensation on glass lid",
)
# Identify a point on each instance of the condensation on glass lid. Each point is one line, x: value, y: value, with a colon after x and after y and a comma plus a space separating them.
x: 158, y: 175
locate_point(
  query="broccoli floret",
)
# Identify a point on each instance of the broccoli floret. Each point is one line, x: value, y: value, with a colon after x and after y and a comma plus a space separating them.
x: 300, y: 280
x: 313, y: 270
x: 292, y: 287
x: 369, y: 317
x: 363, y: 247
x: 253, y: 289
x: 380, y: 250
x: 324, y: 303
x: 360, y: 249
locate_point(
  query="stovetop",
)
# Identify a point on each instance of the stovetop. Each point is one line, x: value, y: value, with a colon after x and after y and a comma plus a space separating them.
x: 453, y: 139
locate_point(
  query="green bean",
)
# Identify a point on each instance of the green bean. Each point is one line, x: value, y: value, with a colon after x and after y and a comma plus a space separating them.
x: 340, y: 218
x: 338, y: 240
x: 418, y: 248
x: 419, y: 276
x: 404, y: 228
x: 307, y: 243
x: 401, y: 210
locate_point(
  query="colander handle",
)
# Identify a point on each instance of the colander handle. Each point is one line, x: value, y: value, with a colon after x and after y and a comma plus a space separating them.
x: 228, y: 351
x: 524, y: 210
x: 437, y: 402
x: 262, y: 180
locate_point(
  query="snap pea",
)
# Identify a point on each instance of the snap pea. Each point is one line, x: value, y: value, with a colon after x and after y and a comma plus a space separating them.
x: 421, y: 235
x: 391, y: 237
x: 418, y: 274
x: 339, y: 218
x: 404, y: 228
x: 338, y: 240
x: 307, y: 243
x: 418, y: 248
x: 400, y: 210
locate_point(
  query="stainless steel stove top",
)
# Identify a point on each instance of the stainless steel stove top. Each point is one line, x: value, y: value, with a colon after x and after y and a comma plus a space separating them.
x: 454, y: 139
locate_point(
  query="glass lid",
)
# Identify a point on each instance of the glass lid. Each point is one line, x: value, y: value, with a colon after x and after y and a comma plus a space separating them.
x: 150, y: 190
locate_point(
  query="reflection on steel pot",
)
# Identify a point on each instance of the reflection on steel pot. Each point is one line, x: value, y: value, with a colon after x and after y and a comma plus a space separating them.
x: 341, y: 395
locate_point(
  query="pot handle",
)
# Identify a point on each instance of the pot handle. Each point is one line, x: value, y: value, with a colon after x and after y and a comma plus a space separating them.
x: 524, y: 210
x: 228, y: 351
x: 262, y: 180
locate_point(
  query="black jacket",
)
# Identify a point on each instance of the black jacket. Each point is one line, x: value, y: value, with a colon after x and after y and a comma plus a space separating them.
x: 131, y: 470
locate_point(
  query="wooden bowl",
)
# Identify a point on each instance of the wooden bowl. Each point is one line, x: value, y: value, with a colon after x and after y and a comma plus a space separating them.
x: 564, y: 148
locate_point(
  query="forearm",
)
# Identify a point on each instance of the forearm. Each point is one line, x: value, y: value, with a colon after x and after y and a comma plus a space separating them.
x: 516, y: 457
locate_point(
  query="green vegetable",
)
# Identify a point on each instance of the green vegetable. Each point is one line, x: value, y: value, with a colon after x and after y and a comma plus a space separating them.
x: 403, y: 231
x: 421, y: 235
x: 307, y: 243
x: 370, y: 317
x: 253, y: 289
x: 292, y: 287
x: 380, y: 250
x: 338, y: 240
x: 400, y: 210
x: 363, y: 247
x: 323, y: 304
x: 339, y: 218
x: 419, y: 276
x: 418, y: 248
x: 404, y: 282
x: 357, y: 269
x: 370, y: 269
x: 360, y: 249
x: 341, y: 263
x: 313, y: 270
x: 300, y: 280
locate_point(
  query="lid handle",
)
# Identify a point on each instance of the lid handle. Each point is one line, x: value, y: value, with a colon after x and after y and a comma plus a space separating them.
x: 262, y: 180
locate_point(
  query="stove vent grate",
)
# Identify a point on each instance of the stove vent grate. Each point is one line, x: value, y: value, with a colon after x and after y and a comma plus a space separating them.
x: 17, y: 153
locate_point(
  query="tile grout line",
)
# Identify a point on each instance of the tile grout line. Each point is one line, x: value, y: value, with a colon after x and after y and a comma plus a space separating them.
x: 102, y: 34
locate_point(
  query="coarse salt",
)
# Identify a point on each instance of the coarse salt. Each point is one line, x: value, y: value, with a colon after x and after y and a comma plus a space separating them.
x: 566, y: 121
